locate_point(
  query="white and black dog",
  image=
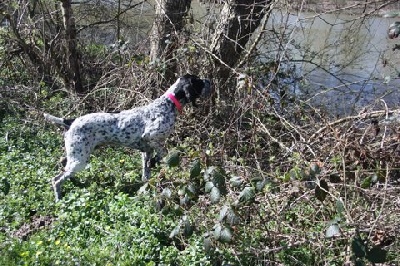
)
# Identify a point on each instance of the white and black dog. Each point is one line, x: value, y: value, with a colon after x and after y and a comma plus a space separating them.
x: 144, y: 128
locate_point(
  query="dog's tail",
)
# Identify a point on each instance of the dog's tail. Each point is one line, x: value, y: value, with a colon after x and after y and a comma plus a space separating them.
x: 57, y: 120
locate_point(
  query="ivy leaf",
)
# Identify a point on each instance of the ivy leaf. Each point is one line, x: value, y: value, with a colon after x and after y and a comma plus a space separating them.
x: 229, y: 215
x: 5, y: 186
x: 226, y: 235
x: 173, y: 159
x: 223, y: 213
x: 217, y: 177
x: 247, y: 195
x: 358, y: 247
x: 175, y: 231
x: 188, y: 228
x: 321, y: 191
x: 315, y: 169
x: 195, y: 169
x: 376, y: 255
x: 182, y: 190
x: 208, y: 173
x: 340, y: 207
x: 208, y: 243
x: 184, y: 201
x: 215, y: 195
x: 335, y: 178
x: 166, y: 193
x: 209, y: 185
x: 260, y: 185
x: 332, y: 231
x: 222, y: 233
x: 191, y: 190
x: 235, y: 181
x: 217, y: 231
x: 366, y: 183
x: 232, y: 218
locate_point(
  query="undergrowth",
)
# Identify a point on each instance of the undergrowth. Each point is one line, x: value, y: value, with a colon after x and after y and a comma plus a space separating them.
x: 256, y: 176
x: 199, y: 208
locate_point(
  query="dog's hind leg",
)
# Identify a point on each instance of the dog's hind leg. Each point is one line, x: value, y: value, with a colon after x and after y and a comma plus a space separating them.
x: 72, y: 167
x: 148, y: 161
x: 57, y: 182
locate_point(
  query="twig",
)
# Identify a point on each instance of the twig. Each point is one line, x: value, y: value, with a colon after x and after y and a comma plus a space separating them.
x: 214, y: 56
x: 386, y: 117
x: 372, y: 114
x: 283, y: 146
x: 383, y: 202
x: 259, y: 36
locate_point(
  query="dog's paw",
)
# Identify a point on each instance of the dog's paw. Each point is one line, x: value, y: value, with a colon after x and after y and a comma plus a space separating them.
x: 154, y: 161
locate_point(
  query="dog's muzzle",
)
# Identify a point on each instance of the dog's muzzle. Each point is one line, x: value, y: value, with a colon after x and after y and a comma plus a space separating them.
x: 207, y: 89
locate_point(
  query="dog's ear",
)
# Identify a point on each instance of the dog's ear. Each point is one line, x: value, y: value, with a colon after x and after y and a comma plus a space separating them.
x: 190, y: 89
x: 190, y: 93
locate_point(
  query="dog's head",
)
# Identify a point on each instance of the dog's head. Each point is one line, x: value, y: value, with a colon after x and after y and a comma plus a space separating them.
x: 190, y: 87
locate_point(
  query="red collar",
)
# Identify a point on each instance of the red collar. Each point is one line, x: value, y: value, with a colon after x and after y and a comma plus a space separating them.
x: 175, y: 101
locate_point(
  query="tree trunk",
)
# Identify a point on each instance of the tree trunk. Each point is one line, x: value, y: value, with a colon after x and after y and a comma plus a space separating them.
x: 72, y: 75
x: 28, y: 47
x: 168, y: 23
x: 239, y: 19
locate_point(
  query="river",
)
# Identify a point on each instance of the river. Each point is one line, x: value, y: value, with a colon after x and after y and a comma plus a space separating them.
x: 347, y: 62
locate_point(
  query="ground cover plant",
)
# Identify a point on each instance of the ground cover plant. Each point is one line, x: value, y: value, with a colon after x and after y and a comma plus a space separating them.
x: 270, y: 171
x: 95, y: 225
x: 197, y: 208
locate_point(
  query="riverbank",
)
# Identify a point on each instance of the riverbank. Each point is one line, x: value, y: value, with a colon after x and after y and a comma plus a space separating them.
x: 350, y: 7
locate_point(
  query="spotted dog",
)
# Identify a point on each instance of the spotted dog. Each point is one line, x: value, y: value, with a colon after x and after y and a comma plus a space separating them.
x: 144, y: 128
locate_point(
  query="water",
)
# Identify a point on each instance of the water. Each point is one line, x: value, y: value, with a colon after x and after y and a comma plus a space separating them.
x: 347, y: 62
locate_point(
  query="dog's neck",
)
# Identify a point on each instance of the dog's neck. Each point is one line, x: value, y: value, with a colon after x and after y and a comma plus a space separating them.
x: 170, y: 94
x: 172, y: 97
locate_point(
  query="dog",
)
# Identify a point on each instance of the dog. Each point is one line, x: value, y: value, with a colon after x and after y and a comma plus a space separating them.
x: 143, y: 128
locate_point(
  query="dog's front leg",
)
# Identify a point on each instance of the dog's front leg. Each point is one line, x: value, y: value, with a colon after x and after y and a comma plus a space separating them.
x: 161, y: 152
x: 146, y: 164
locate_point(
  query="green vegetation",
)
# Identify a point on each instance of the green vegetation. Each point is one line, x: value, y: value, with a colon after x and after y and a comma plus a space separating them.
x: 190, y: 213
x: 96, y: 223
x: 259, y: 175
